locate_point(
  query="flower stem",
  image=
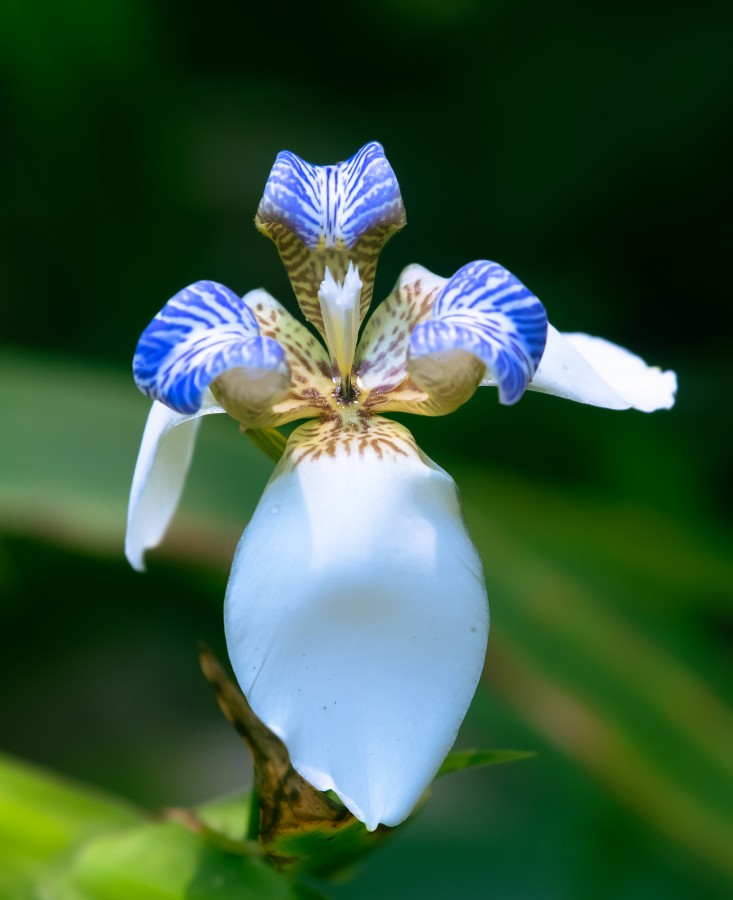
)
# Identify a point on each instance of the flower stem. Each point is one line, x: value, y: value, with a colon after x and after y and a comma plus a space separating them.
x: 269, y: 440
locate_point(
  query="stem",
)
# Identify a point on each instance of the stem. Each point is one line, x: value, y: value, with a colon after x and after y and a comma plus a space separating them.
x: 269, y: 440
x: 253, y: 828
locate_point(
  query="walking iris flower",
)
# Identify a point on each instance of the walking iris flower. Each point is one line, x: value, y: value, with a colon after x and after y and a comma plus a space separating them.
x: 356, y: 614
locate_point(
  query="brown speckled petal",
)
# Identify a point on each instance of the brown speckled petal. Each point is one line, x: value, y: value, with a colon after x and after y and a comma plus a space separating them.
x: 311, y: 381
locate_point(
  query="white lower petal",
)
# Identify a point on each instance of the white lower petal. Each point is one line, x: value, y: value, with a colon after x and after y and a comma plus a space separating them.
x: 595, y: 371
x: 160, y: 472
x: 356, y: 614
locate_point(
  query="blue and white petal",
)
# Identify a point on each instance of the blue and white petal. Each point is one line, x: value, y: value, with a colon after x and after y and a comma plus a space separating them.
x: 200, y: 334
x: 595, y: 371
x: 327, y: 206
x: 328, y: 217
x: 356, y: 614
x: 160, y: 473
x: 487, y: 312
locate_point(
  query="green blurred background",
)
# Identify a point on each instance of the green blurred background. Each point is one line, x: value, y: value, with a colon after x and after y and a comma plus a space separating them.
x: 588, y: 150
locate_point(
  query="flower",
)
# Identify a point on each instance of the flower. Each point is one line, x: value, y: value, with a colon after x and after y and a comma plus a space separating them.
x: 356, y: 614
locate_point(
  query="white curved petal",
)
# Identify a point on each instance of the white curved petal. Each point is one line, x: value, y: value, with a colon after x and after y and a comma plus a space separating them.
x: 160, y: 472
x: 595, y: 371
x: 356, y: 614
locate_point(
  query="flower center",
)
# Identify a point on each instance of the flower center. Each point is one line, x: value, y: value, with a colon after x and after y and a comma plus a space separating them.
x: 340, y: 305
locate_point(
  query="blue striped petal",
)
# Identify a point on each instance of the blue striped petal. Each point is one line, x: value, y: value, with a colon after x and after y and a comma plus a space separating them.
x: 201, y: 332
x: 489, y: 313
x: 330, y: 205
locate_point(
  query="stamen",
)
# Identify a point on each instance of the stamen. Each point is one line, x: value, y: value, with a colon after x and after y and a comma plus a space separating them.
x: 340, y: 310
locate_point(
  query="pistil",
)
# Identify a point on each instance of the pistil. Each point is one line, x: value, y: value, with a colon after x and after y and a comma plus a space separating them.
x: 340, y: 308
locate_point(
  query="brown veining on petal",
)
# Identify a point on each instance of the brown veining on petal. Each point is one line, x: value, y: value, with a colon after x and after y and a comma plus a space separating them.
x: 433, y: 386
x: 307, y: 268
x: 352, y: 434
x: 303, y: 350
x: 311, y: 381
x: 381, y: 363
x: 326, y: 370
x: 382, y: 354
x: 406, y: 397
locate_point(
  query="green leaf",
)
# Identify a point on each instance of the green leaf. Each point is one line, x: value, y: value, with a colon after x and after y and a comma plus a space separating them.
x: 42, y: 815
x: 166, y: 861
x: 43, y: 818
x: 229, y: 815
x: 470, y: 759
x: 60, y: 839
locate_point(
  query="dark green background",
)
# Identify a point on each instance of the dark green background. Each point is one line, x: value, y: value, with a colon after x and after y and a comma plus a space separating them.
x: 588, y: 150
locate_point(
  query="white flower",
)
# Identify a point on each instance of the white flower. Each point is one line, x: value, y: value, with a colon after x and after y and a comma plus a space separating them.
x: 356, y: 613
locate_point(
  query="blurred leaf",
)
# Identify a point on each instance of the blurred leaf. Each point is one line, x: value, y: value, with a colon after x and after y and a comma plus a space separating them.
x: 229, y: 816
x: 43, y: 818
x: 41, y: 814
x: 61, y: 840
x: 470, y: 759
x: 586, y: 677
x: 166, y: 861
x: 679, y: 562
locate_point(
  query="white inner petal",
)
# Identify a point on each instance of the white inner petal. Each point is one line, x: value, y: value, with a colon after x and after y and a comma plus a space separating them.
x: 356, y: 619
x: 340, y: 305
